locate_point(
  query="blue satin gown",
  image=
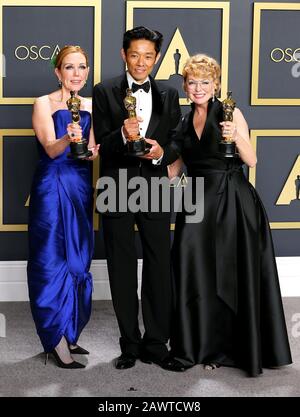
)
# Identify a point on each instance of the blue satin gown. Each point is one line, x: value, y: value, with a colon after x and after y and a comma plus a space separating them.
x: 61, y: 241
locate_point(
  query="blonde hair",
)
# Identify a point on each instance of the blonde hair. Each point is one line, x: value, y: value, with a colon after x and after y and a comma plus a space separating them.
x: 66, y: 50
x: 201, y: 65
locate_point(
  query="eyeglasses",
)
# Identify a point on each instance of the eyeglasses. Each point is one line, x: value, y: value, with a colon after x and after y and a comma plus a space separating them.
x: 204, y: 84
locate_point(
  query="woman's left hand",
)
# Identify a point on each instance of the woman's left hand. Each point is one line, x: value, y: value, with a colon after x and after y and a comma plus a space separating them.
x: 95, y: 150
x: 229, y: 130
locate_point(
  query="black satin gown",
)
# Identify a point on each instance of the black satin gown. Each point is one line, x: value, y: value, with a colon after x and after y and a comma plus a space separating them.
x: 228, y: 302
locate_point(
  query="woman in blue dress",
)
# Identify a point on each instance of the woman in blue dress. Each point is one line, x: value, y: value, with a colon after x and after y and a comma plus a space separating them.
x: 60, y: 216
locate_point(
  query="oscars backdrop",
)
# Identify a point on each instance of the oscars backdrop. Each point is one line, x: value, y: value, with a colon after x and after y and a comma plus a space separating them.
x: 257, y: 44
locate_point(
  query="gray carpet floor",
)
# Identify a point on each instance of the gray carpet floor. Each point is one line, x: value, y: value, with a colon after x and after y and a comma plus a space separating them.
x: 23, y: 373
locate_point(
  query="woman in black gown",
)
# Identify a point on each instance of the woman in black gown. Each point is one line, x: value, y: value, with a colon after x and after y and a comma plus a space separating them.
x: 228, y: 304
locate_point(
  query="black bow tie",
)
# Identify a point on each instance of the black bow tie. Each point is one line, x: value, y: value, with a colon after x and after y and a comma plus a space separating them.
x: 145, y: 87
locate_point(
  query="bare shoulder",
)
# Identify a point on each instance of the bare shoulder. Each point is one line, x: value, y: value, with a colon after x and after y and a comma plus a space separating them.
x: 241, y: 123
x: 41, y: 108
x: 237, y: 112
x: 238, y: 116
x: 41, y: 101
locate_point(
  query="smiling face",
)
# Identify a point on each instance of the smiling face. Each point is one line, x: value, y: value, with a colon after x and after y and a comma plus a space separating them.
x: 140, y: 58
x: 202, y: 78
x: 73, y: 71
x: 199, y: 89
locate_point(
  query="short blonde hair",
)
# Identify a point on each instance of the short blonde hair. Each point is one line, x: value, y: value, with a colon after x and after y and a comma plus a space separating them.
x: 66, y: 50
x: 201, y: 65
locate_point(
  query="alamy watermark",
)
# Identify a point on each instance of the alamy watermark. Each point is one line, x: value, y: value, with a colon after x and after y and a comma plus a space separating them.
x: 2, y: 325
x: 153, y: 196
x: 296, y: 66
x: 296, y: 326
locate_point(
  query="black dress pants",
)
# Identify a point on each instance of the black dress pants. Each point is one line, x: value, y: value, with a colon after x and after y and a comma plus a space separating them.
x: 156, y: 291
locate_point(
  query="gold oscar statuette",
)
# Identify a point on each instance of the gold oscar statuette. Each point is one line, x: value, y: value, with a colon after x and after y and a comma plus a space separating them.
x: 136, y: 145
x: 227, y: 146
x: 78, y: 145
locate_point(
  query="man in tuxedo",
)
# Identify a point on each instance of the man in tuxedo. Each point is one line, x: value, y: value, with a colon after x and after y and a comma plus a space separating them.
x: 158, y: 113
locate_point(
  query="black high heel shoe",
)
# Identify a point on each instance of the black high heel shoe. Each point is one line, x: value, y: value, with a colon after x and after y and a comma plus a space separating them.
x: 78, y: 351
x: 61, y: 364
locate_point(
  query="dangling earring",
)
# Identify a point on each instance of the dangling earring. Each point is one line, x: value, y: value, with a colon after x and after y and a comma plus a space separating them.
x: 85, y: 82
x: 59, y: 83
x: 213, y: 97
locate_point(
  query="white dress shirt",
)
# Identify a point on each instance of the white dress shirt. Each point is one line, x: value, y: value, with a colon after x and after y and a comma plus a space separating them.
x: 143, y: 109
x: 143, y: 104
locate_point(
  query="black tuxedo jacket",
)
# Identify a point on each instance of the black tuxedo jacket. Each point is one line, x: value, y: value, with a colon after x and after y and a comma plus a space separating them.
x: 109, y: 114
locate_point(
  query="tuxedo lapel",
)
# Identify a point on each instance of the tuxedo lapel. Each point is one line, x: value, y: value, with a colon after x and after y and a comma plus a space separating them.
x: 158, y: 97
x: 119, y: 91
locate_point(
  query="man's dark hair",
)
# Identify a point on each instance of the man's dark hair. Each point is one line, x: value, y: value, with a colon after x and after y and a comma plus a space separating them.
x: 141, y: 32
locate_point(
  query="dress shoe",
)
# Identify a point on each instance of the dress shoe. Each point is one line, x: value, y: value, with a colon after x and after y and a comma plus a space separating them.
x: 125, y: 361
x: 61, y: 364
x: 78, y: 351
x: 169, y: 363
x: 210, y: 366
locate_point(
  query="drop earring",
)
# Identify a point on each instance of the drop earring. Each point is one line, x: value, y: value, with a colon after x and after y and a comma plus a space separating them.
x: 59, y: 84
x: 213, y: 97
